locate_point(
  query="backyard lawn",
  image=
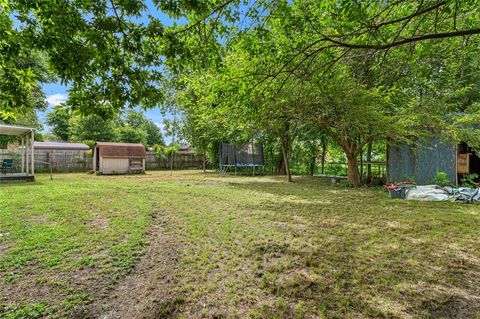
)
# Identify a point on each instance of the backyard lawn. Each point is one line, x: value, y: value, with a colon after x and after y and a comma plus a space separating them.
x: 196, y: 245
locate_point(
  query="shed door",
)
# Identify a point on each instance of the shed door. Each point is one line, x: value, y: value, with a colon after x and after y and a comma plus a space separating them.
x: 463, y: 163
x: 115, y: 165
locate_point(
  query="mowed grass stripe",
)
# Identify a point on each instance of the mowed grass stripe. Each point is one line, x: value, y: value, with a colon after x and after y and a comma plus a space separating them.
x: 254, y: 247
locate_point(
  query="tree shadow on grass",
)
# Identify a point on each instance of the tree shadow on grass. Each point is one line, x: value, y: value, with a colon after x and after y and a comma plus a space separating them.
x: 352, y: 254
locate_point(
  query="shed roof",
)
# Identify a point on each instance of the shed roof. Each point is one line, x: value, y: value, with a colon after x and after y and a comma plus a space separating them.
x: 14, y: 129
x: 122, y: 150
x: 61, y: 146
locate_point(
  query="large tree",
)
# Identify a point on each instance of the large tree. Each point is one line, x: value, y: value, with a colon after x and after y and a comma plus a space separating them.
x: 114, y: 51
x: 133, y: 127
x: 107, y: 50
x: 59, y: 123
x: 92, y: 128
x: 136, y: 128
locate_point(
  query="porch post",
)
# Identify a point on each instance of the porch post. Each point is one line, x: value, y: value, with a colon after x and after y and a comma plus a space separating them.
x: 94, y: 159
x: 23, y: 154
x: 26, y: 154
x: 33, y: 153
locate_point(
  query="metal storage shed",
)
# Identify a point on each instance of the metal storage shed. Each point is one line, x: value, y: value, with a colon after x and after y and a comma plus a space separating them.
x: 423, y: 161
x: 118, y: 158
x: 63, y: 146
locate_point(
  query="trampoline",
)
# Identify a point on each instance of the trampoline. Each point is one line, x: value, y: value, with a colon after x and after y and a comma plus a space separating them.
x: 249, y: 155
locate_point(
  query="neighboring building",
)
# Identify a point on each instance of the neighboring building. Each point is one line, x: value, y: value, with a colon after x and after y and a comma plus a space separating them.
x: 62, y: 146
x: 118, y: 158
x: 423, y: 162
x: 185, y: 149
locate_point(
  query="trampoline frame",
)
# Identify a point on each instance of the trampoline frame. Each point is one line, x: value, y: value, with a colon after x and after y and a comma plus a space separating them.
x: 240, y: 164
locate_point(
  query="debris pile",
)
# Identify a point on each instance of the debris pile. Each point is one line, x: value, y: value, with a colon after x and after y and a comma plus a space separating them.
x: 410, y: 191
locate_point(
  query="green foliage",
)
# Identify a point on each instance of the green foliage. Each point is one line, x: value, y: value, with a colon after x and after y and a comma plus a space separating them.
x: 96, y: 46
x: 355, y: 72
x: 59, y: 122
x: 442, y: 179
x: 154, y: 134
x: 28, y: 118
x: 130, y: 134
x: 92, y: 127
x: 469, y: 180
x: 172, y: 149
x: 134, y: 127
x: 279, y: 79
x: 164, y: 152
x: 22, y: 69
x: 160, y: 151
x: 33, y: 311
x: 89, y: 143
x: 344, y: 183
x: 410, y: 179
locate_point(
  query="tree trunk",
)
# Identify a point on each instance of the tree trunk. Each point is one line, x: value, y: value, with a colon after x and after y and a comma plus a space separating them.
x: 311, y: 166
x: 324, y: 153
x: 361, y: 165
x: 369, y: 161
x: 204, y: 162
x: 353, y: 174
x: 281, y: 166
x: 285, y: 152
x: 313, y: 158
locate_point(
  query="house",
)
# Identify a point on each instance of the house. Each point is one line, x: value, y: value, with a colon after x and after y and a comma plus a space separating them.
x: 185, y: 149
x: 118, y: 158
x: 422, y: 162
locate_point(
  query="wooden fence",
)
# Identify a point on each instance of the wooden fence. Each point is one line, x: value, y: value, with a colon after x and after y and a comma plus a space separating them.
x: 78, y: 161
x: 180, y: 161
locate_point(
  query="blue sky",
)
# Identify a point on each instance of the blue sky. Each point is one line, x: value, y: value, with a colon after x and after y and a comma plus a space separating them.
x: 57, y: 93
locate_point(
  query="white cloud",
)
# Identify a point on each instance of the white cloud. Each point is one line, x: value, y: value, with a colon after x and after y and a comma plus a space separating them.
x: 56, y: 99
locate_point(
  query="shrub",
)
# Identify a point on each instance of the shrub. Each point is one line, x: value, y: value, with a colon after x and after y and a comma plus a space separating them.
x: 442, y: 179
x: 160, y: 152
x: 468, y: 180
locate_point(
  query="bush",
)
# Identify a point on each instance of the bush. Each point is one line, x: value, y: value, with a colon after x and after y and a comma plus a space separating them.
x: 442, y: 179
x: 89, y: 143
x: 468, y: 180
x: 160, y: 151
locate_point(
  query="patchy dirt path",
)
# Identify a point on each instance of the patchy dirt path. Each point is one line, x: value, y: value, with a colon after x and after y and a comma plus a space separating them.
x: 149, y: 291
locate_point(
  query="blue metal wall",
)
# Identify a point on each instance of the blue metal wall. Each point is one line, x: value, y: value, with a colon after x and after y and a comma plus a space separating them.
x: 422, y: 162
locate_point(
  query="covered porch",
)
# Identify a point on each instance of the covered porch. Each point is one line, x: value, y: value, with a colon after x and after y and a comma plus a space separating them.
x: 18, y: 165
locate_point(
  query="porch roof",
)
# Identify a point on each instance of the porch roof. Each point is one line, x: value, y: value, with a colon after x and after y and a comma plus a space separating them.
x: 15, y: 130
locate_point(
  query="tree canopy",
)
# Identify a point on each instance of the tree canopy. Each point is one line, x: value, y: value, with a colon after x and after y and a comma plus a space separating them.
x: 356, y: 71
x: 292, y: 73
x: 132, y: 127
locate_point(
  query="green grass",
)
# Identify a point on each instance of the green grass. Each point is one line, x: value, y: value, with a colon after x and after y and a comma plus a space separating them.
x: 250, y: 247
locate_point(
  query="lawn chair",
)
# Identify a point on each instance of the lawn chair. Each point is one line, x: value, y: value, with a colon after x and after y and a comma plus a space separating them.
x: 6, y: 165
